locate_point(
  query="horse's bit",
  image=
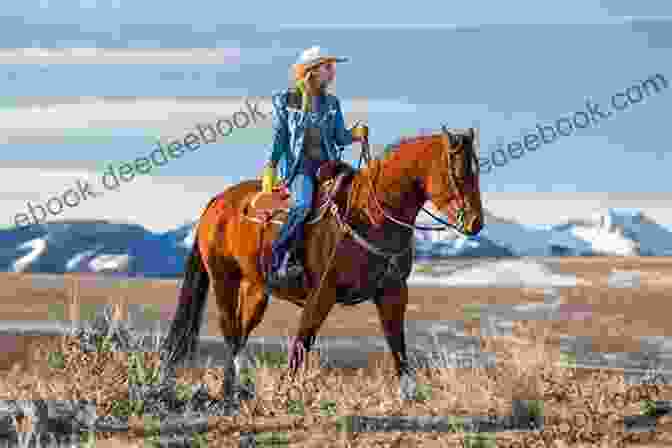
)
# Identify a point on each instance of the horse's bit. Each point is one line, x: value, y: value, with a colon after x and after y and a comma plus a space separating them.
x: 393, y: 257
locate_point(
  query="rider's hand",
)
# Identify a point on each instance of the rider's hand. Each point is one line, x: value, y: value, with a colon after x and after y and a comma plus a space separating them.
x: 268, y: 179
x: 359, y: 132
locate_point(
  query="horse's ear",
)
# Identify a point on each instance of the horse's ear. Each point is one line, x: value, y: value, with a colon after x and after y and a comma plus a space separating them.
x: 446, y: 131
x: 452, y: 141
x: 473, y: 134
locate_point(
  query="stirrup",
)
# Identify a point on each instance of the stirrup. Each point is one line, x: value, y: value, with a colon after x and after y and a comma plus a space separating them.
x: 293, y: 277
x: 293, y: 280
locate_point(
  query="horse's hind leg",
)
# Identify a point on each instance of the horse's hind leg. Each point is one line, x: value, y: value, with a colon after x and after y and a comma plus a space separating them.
x: 242, y: 304
x: 391, y: 306
x: 253, y: 301
x: 226, y: 285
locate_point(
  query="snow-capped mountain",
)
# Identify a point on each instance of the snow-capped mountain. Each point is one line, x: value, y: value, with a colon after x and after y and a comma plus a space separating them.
x: 130, y: 249
x: 607, y: 232
x: 93, y: 246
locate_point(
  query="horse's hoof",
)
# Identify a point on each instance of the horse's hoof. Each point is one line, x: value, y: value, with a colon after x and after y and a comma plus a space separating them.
x: 407, y: 387
x: 223, y: 408
x: 167, y: 377
x: 247, y: 392
x: 293, y: 367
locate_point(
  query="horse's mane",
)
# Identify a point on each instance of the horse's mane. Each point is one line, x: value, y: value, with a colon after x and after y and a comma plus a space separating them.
x: 390, y: 149
x: 413, y: 145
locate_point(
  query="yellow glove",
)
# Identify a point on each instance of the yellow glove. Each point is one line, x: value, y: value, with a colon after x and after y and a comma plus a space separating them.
x: 268, y: 179
x: 360, y: 131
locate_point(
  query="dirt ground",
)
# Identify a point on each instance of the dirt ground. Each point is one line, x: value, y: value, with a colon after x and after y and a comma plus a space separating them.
x: 619, y: 316
x: 644, y: 311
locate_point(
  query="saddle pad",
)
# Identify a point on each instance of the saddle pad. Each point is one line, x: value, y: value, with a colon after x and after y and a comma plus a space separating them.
x: 268, y: 202
x: 264, y: 204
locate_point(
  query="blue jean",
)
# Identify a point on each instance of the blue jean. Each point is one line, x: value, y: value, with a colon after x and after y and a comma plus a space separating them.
x: 302, y: 189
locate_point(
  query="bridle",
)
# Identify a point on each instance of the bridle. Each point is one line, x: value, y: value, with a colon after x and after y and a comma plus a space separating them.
x: 458, y: 194
x: 393, y: 269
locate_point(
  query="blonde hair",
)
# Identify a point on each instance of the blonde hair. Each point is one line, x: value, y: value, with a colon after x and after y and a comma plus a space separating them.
x: 299, y: 78
x: 299, y: 71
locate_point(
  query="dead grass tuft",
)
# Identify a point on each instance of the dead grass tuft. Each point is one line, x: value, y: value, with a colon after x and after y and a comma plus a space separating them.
x: 578, y: 406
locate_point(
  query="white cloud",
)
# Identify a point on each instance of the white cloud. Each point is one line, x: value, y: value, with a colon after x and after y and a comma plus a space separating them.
x: 120, y: 56
x: 138, y: 201
x: 167, y: 117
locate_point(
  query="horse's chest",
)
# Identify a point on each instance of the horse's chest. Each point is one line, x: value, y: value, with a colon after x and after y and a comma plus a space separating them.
x: 355, y: 262
x: 360, y: 269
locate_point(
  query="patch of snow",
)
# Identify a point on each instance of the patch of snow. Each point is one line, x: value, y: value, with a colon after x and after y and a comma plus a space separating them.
x: 107, y: 263
x: 80, y: 262
x: 624, y: 279
x: 503, y: 273
x: 37, y: 248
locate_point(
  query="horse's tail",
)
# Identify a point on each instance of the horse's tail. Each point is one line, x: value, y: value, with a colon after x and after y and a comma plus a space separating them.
x: 182, y: 339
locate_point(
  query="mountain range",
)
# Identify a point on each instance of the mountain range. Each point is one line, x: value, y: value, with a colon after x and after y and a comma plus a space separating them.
x: 98, y: 246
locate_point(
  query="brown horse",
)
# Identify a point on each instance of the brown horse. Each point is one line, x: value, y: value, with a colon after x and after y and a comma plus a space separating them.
x: 359, y: 246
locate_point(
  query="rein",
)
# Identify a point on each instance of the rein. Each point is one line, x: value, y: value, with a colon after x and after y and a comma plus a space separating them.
x: 366, y: 156
x: 347, y: 230
x: 392, y: 257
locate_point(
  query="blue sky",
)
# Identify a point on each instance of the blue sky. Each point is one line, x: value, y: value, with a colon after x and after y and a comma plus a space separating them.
x: 501, y: 66
x: 207, y: 13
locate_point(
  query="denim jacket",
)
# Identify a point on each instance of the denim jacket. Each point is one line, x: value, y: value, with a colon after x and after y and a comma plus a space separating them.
x: 288, y: 130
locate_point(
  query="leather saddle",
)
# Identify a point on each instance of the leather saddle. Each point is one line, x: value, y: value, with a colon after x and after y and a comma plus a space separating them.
x: 332, y: 177
x: 332, y: 174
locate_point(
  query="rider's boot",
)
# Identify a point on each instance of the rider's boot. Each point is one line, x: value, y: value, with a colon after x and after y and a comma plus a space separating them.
x: 288, y: 273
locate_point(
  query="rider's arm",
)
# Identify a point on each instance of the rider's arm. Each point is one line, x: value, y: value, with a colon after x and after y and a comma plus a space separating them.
x: 343, y: 136
x: 280, y: 143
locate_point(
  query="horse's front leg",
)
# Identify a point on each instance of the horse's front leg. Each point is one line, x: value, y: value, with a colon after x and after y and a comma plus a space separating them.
x: 391, y: 305
x: 312, y: 317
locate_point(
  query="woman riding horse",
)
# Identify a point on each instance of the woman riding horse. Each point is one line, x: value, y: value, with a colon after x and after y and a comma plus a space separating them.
x: 360, y: 247
x: 308, y: 129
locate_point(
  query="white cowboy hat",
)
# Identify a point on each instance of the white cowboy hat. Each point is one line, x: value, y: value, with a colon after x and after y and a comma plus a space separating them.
x: 313, y: 56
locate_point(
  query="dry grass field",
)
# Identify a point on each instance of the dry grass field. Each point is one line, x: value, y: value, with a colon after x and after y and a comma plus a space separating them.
x: 581, y: 407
